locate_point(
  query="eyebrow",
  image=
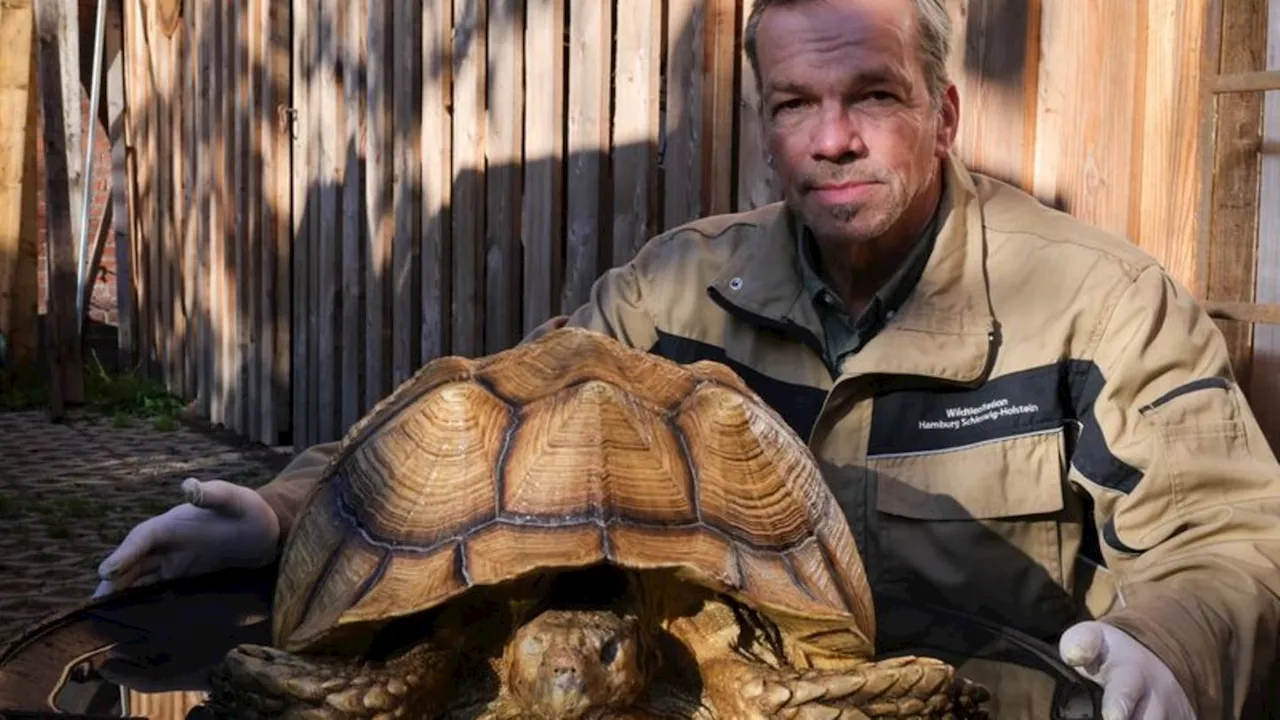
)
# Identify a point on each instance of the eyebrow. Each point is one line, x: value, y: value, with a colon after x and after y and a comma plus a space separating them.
x: 873, y: 76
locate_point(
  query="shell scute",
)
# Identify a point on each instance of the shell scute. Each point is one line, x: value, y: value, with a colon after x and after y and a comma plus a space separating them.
x: 410, y: 579
x: 593, y: 451
x: 746, y: 468
x: 427, y: 477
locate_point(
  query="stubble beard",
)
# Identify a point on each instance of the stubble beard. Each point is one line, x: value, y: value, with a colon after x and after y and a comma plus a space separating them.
x: 856, y: 222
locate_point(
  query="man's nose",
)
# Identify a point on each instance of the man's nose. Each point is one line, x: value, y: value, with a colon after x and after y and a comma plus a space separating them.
x: 838, y: 135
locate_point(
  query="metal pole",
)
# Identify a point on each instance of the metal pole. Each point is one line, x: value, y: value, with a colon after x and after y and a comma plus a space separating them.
x: 82, y: 246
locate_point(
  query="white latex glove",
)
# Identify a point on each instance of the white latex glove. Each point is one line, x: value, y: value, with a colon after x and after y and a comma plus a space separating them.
x: 1136, y: 684
x: 221, y: 525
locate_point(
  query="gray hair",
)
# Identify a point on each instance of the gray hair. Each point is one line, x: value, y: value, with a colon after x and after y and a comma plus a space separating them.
x: 933, y: 31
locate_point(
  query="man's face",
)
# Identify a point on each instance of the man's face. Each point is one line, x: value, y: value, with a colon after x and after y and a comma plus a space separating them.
x: 847, y: 114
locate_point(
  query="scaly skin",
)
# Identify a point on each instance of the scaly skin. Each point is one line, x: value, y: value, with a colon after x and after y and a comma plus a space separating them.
x: 568, y: 664
x: 256, y: 683
x: 906, y: 687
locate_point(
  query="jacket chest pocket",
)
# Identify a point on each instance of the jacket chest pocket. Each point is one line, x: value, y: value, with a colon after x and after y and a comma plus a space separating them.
x: 976, y: 528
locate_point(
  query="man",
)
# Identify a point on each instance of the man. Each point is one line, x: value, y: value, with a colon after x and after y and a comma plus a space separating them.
x: 1022, y: 417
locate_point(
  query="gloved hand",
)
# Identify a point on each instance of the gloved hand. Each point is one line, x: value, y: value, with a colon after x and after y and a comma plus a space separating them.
x: 1136, y: 684
x: 221, y: 525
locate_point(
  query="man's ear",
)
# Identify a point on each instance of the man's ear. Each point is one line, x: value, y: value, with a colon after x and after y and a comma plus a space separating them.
x: 948, y: 121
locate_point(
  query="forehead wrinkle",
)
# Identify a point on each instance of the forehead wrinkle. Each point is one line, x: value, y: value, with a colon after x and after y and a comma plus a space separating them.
x: 855, y: 43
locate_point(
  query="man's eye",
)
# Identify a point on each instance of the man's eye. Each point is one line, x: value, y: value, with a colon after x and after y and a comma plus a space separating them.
x: 786, y: 105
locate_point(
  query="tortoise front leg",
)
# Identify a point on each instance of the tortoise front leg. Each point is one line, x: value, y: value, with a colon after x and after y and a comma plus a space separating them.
x: 255, y: 682
x: 906, y: 687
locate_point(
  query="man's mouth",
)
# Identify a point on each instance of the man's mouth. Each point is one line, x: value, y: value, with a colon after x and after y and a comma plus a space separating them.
x: 840, y: 193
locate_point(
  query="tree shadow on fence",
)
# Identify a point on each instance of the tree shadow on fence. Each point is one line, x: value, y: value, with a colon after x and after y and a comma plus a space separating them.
x: 286, y: 283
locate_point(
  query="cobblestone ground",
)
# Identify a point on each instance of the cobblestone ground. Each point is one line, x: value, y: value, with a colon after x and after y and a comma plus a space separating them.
x: 70, y: 492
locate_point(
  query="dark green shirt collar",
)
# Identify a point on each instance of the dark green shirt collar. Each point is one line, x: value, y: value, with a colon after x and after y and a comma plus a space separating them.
x: 845, y: 335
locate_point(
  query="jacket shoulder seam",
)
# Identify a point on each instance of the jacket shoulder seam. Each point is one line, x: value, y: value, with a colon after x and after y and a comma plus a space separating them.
x: 696, y: 230
x: 1131, y: 267
x: 1109, y: 311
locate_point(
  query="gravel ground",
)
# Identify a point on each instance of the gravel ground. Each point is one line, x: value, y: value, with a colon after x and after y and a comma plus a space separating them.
x: 70, y: 492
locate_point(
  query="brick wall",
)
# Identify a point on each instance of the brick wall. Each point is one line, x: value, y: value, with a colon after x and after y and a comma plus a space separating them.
x: 102, y: 302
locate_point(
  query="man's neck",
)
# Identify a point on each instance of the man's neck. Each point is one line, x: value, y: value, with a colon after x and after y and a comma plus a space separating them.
x: 857, y: 271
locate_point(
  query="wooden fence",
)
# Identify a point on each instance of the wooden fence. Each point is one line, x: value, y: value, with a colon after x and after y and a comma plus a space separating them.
x: 324, y: 195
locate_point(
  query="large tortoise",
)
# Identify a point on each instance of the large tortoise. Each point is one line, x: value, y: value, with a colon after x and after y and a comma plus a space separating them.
x: 575, y: 529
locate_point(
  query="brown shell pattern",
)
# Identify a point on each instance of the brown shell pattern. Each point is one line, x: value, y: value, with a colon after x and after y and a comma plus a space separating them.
x: 562, y: 452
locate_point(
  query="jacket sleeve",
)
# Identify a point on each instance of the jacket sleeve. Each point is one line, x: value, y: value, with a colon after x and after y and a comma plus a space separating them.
x: 615, y: 307
x: 1187, y: 495
x: 288, y: 490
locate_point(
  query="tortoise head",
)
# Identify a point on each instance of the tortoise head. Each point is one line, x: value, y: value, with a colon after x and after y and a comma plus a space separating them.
x: 568, y: 663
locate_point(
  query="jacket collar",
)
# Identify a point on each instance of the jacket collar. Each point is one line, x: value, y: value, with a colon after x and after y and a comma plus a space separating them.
x: 943, y: 330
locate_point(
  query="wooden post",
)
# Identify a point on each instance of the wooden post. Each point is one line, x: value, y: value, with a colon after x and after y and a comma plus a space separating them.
x: 18, y: 233
x: 55, y: 30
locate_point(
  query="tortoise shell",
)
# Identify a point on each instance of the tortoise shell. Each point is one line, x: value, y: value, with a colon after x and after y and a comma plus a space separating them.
x: 563, y: 452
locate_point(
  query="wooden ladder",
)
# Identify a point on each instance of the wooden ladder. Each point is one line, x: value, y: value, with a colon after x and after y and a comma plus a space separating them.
x: 1216, y: 84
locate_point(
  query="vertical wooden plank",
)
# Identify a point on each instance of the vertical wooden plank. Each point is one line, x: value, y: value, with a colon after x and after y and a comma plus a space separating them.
x: 137, y: 108
x: 161, y: 138
x: 1264, y: 384
x: 406, y: 188
x: 755, y: 178
x: 993, y: 63
x: 73, y: 114
x: 256, y: 130
x: 1170, y: 168
x: 52, y: 26
x: 544, y: 155
x: 328, y: 240
x: 152, y: 143
x: 230, y: 182
x: 187, y: 277
x: 24, y: 305
x: 170, y: 126
x: 353, y: 209
x: 312, y: 112
x: 682, y: 159
x: 635, y: 128
x: 717, y: 118
x: 249, y: 170
x: 437, y: 186
x: 205, y: 159
x: 18, y: 181
x: 211, y: 209
x: 588, y: 146
x: 378, y: 218
x: 224, y: 228
x: 1085, y: 119
x: 1234, y: 228
x: 503, y: 150
x: 304, y: 205
x: 175, y: 208
x: 277, y: 270
x: 120, y: 195
x: 241, y: 157
x: 164, y: 705
x: 467, y: 212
